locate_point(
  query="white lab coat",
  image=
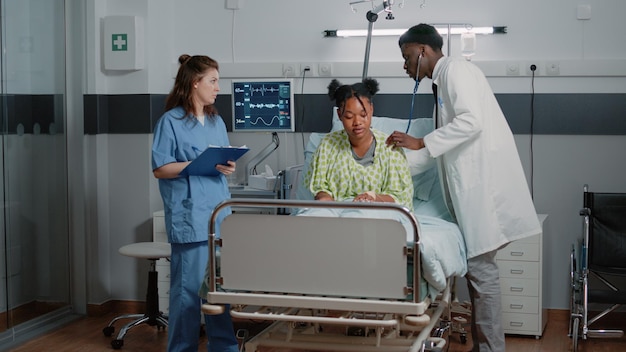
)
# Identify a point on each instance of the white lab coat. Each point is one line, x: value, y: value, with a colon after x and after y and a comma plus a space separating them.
x: 478, y: 160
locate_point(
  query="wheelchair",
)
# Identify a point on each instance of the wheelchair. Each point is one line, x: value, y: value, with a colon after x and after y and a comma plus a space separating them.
x: 596, y: 263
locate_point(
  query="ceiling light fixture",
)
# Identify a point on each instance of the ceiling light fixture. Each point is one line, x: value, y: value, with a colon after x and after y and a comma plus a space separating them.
x: 443, y: 30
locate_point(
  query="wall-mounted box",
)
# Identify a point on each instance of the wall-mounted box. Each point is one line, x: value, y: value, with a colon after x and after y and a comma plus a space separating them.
x: 123, y: 43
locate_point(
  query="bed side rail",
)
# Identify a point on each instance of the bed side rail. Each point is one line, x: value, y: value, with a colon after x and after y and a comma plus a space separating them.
x: 303, y: 255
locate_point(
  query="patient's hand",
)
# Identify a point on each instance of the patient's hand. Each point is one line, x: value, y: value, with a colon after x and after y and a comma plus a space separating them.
x: 365, y: 197
x: 371, y: 196
x: 323, y: 196
x: 403, y: 140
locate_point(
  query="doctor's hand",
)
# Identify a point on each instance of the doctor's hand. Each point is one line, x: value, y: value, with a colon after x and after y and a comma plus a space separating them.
x: 226, y: 169
x: 402, y: 140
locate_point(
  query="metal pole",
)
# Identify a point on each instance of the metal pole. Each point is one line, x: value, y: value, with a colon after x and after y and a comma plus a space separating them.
x: 371, y: 18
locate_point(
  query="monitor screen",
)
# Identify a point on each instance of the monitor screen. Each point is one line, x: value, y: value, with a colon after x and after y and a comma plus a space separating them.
x: 263, y: 105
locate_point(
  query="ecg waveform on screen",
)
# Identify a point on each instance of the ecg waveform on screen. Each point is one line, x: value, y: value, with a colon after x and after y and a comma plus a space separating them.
x: 271, y: 123
x: 260, y: 106
x: 256, y: 89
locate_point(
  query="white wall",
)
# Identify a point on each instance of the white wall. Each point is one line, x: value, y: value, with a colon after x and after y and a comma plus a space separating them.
x: 258, y: 38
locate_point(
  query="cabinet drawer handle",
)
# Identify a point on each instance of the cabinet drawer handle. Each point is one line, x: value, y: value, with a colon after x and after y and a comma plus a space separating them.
x: 517, y: 254
x: 516, y: 306
x: 517, y: 271
x: 516, y: 324
x: 517, y: 289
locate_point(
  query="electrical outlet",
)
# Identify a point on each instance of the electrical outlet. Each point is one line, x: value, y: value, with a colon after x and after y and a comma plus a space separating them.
x: 529, y: 69
x: 289, y: 70
x: 325, y: 69
x: 512, y: 69
x: 311, y: 69
x: 552, y: 68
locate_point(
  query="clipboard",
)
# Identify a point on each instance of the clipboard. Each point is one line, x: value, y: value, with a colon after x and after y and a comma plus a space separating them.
x: 204, y: 164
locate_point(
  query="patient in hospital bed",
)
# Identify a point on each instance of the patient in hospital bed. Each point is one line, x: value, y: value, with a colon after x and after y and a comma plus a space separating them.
x: 354, y: 163
x: 441, y: 243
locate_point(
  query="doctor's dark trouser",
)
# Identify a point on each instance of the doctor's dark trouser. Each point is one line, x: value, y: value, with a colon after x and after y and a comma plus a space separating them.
x: 483, y: 282
x: 188, y: 264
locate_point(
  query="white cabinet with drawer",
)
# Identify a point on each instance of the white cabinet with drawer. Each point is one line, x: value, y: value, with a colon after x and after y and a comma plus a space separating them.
x: 521, y: 275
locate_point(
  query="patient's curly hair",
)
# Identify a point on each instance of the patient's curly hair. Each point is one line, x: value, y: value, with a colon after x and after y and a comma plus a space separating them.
x: 342, y: 92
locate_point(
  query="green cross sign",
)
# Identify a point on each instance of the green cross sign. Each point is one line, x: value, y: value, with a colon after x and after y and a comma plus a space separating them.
x: 120, y: 42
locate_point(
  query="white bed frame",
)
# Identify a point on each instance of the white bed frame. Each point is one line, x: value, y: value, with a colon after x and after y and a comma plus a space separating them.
x: 316, y: 278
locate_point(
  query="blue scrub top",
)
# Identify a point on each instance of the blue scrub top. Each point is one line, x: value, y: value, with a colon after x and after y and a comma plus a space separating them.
x: 189, y: 201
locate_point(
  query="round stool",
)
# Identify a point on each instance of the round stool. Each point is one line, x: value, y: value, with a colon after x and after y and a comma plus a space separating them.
x: 152, y: 316
x: 147, y: 250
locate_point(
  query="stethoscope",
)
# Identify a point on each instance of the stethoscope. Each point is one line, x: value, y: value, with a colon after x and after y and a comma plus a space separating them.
x: 417, y: 83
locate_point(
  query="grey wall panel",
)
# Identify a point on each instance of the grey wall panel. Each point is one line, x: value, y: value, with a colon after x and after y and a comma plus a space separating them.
x: 129, y: 113
x: 30, y: 109
x: 581, y: 114
x: 157, y: 108
x: 553, y: 114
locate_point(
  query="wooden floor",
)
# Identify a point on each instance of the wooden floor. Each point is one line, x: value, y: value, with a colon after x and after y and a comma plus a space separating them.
x: 86, y: 334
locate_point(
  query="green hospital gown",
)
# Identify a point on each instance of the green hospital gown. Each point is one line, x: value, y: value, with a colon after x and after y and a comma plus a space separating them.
x: 334, y: 171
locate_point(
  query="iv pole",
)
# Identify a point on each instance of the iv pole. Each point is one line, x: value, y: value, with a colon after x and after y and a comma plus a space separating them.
x: 372, y: 16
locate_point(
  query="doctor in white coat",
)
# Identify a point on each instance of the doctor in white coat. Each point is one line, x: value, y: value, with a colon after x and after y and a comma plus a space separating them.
x: 479, y: 167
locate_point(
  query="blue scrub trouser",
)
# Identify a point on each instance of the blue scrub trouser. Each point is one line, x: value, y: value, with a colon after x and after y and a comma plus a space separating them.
x: 483, y: 282
x: 188, y: 263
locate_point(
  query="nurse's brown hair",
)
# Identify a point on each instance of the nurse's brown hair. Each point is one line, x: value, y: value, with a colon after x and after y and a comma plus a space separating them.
x: 191, y: 70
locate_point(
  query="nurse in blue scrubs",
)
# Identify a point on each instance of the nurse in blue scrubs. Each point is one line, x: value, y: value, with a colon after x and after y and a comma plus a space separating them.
x: 189, y: 125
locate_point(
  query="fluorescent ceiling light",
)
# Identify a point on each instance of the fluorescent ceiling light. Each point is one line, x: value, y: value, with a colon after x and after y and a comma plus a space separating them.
x: 363, y: 32
x: 443, y: 30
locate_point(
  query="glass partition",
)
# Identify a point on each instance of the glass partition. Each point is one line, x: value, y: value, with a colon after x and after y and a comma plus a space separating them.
x: 34, y: 253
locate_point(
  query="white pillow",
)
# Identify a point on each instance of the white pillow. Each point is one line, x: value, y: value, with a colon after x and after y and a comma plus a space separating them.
x: 303, y: 192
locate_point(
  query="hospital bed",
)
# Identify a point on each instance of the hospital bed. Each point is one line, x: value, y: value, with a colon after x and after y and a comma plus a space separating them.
x: 320, y: 279
x: 341, y: 276
x: 596, y: 264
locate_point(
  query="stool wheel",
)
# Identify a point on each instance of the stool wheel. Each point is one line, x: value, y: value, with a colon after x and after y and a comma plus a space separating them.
x: 108, y: 330
x: 117, y: 344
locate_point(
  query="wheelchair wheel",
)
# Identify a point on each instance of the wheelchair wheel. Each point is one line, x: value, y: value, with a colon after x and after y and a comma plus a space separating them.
x: 575, y: 331
x: 573, y: 304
